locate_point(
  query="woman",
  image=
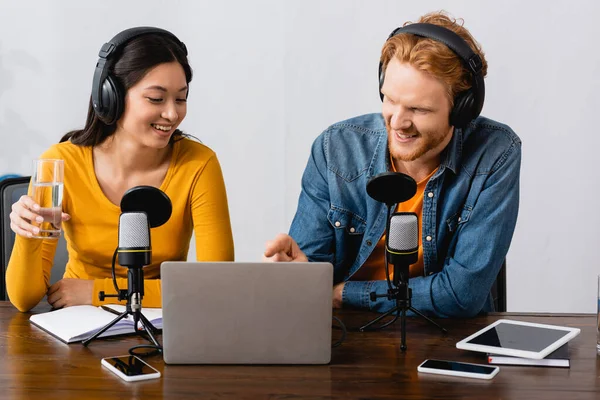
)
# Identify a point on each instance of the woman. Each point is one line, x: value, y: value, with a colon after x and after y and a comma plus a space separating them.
x: 130, y: 138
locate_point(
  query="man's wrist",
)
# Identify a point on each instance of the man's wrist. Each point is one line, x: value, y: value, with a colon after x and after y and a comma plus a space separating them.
x: 338, y: 295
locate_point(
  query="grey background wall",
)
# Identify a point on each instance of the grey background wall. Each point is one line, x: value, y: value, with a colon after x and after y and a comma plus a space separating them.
x: 271, y: 75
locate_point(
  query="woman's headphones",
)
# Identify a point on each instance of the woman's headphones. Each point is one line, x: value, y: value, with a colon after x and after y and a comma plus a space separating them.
x: 108, y: 97
x: 467, y: 104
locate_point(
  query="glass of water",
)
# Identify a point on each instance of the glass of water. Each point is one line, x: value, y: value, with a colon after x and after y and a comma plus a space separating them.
x: 47, y: 182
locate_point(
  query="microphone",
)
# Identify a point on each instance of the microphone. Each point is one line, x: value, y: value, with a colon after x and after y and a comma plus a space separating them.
x: 402, y: 229
x: 134, y: 252
x: 134, y: 248
x: 142, y: 208
x: 401, y: 248
x: 402, y: 245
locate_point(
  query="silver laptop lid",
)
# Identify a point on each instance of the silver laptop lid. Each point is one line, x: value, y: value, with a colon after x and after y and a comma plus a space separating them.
x: 246, y: 313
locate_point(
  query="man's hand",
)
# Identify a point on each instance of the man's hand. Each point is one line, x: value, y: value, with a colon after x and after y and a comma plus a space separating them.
x: 337, y: 295
x: 70, y: 292
x: 283, y: 248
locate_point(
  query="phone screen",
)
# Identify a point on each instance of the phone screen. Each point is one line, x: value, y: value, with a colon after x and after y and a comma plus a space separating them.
x: 130, y: 365
x: 458, y: 366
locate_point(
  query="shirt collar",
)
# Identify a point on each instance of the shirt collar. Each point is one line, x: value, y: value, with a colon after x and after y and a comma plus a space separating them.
x: 450, y: 157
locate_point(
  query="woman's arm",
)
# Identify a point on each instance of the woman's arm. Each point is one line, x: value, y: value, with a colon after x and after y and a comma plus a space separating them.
x: 28, y: 272
x: 210, y: 214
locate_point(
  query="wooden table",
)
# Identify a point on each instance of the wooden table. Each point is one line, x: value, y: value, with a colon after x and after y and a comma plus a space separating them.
x: 369, y: 365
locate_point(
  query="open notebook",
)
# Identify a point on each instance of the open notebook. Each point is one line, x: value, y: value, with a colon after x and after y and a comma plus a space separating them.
x: 74, y: 324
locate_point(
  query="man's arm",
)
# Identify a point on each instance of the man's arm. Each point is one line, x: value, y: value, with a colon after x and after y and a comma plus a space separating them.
x: 311, y: 228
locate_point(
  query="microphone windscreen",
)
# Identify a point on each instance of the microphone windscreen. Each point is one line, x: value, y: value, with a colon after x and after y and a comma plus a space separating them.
x: 404, y: 232
x: 134, y: 230
x: 154, y: 202
x: 391, y: 187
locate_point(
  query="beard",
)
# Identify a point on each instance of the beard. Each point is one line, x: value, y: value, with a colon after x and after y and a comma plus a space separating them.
x: 424, y: 142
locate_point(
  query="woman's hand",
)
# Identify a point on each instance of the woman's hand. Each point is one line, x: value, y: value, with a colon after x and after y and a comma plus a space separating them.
x: 26, y: 216
x: 70, y: 292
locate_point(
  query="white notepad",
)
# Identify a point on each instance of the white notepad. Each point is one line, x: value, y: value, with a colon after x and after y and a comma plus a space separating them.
x: 77, y: 323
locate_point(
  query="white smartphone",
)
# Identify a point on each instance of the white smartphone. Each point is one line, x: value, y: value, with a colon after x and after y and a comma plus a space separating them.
x: 130, y: 368
x: 455, y: 368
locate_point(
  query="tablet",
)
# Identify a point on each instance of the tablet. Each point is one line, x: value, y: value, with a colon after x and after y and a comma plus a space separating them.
x: 519, y: 339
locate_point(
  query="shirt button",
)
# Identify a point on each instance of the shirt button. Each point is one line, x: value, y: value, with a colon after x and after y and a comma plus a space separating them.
x: 369, y: 243
x: 352, y: 230
x: 337, y: 223
x: 428, y: 238
x: 459, y: 219
x: 430, y: 194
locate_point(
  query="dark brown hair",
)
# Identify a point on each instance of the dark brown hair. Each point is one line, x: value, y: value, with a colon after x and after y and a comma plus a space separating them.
x: 135, y: 59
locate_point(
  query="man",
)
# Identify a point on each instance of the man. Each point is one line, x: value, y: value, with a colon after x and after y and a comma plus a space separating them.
x: 466, y: 168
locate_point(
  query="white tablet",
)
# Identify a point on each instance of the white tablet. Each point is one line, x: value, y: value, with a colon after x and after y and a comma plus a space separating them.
x: 519, y: 339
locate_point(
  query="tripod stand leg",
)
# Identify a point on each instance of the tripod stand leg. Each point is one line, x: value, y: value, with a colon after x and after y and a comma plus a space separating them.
x: 365, y: 327
x: 403, y: 330
x: 150, y: 329
x: 428, y: 319
x: 101, y: 331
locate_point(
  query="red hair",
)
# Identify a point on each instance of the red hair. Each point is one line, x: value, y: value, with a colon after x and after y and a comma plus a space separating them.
x: 434, y: 57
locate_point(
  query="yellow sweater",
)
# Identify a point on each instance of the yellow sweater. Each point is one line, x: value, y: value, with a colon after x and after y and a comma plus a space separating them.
x: 194, y: 183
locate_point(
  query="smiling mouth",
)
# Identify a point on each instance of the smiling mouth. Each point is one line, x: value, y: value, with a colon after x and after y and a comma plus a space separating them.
x: 401, y: 136
x: 406, y: 136
x: 164, y: 128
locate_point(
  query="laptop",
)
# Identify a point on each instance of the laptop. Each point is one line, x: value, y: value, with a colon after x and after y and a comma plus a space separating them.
x: 246, y: 313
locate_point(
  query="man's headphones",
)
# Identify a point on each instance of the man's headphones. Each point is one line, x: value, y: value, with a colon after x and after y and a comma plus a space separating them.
x: 467, y: 104
x: 108, y: 96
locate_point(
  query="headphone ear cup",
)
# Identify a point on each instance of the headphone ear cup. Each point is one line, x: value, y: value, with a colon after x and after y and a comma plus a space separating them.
x: 112, y: 101
x: 381, y: 80
x: 463, y: 111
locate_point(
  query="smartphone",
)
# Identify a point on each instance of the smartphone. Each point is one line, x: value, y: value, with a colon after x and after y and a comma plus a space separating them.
x: 456, y: 368
x: 130, y: 368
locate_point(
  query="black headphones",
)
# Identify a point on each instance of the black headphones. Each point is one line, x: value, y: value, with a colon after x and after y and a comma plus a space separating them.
x: 467, y: 104
x: 108, y: 97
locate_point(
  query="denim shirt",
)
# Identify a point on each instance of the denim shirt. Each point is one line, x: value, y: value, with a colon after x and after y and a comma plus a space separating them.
x: 470, y: 208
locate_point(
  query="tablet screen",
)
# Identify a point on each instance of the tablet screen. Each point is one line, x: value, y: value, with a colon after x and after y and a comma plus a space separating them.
x: 519, y: 337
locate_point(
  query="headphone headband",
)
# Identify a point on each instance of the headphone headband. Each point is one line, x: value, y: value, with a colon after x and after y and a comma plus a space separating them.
x: 125, y: 36
x: 471, y: 61
x: 105, y: 92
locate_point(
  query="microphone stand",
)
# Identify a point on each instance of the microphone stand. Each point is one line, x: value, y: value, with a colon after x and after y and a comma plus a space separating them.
x: 401, y: 293
x: 133, y: 295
